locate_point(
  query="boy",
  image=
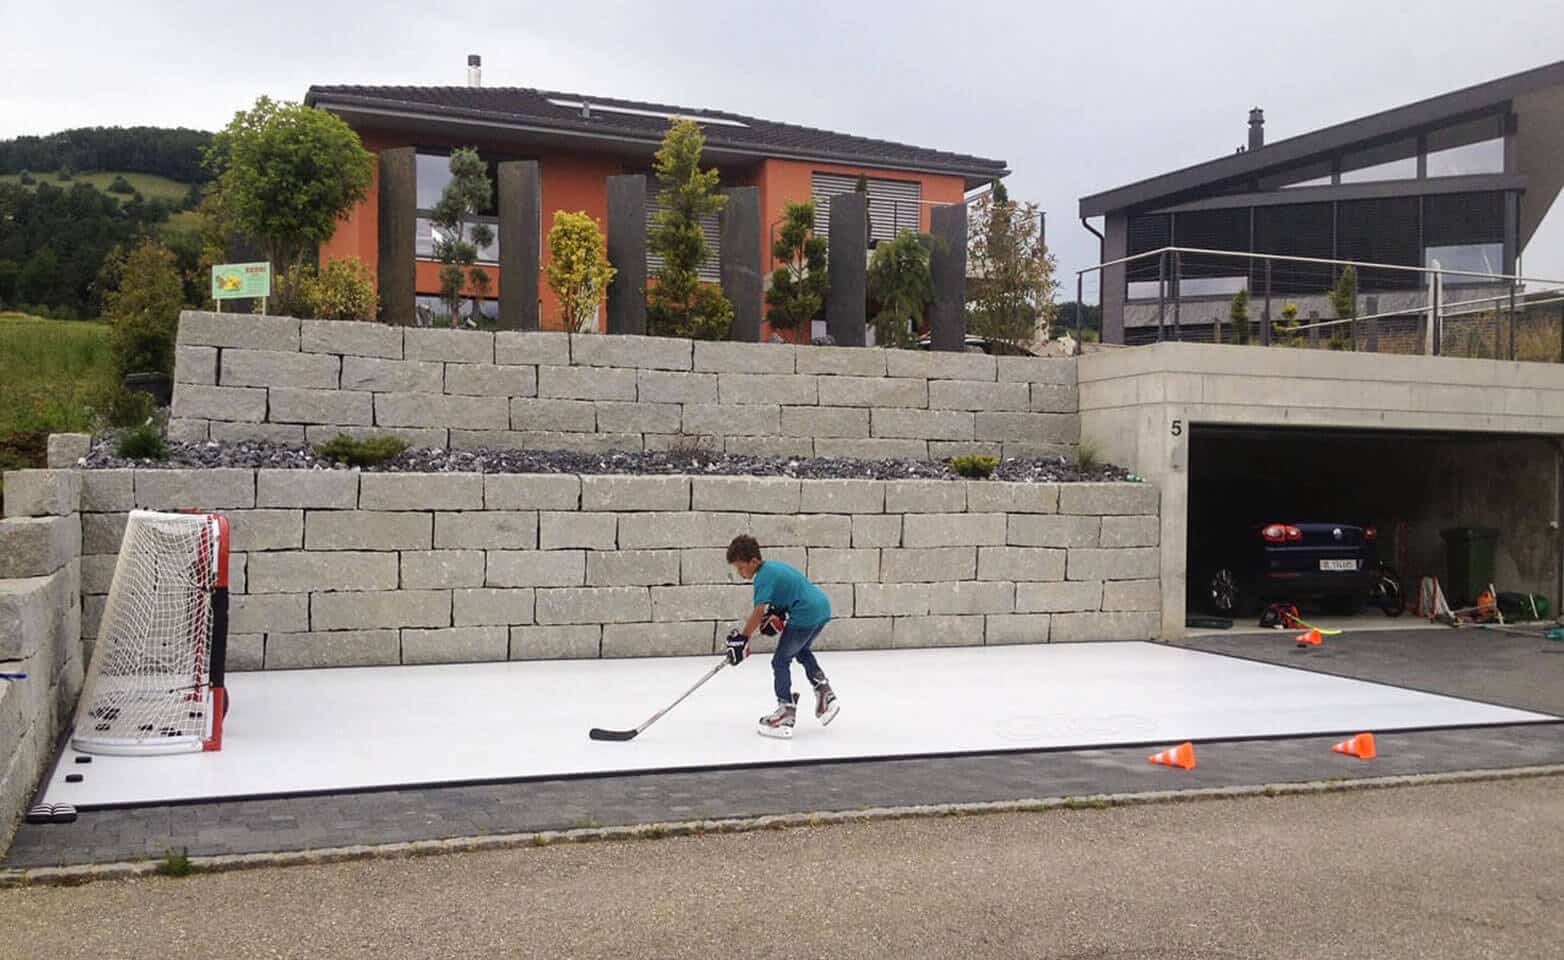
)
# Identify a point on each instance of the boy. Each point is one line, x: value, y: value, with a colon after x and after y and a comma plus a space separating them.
x: 805, y: 609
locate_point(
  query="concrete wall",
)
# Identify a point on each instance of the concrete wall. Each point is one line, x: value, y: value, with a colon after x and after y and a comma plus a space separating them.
x: 333, y: 568
x: 289, y: 381
x: 1137, y: 404
x: 40, y: 628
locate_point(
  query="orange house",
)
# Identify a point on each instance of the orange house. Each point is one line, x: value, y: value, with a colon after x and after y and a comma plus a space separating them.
x: 580, y: 141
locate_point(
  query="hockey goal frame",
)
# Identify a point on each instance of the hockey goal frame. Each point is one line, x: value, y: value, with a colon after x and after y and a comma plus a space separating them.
x: 202, y: 581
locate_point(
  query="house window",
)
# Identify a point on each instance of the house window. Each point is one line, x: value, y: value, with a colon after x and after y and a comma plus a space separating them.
x: 1477, y: 257
x: 431, y: 311
x: 433, y: 173
x: 711, y: 226
x: 1476, y: 146
x: 894, y: 205
x: 1393, y: 161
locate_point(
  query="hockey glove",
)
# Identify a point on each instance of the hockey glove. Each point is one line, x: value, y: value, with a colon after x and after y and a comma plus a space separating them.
x: 737, y: 647
x: 774, y: 622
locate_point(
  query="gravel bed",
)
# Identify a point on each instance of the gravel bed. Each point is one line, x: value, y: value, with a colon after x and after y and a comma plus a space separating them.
x: 429, y: 460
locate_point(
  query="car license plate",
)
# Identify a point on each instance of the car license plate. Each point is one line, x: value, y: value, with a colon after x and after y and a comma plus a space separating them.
x: 1338, y: 564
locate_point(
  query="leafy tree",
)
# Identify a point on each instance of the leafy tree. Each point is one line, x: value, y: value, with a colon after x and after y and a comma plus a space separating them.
x: 64, y: 173
x: 287, y: 173
x: 1343, y: 298
x: 169, y: 152
x: 144, y: 308
x: 26, y: 179
x: 120, y: 185
x: 458, y: 236
x: 680, y: 304
x: 1284, y: 330
x: 1090, y: 321
x: 901, y: 282
x: 799, y: 285
x: 1238, y: 313
x: 578, y: 269
x: 1012, y: 290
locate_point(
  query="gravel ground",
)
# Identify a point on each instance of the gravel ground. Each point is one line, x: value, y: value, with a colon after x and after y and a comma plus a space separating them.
x: 1463, y: 871
x: 428, y: 460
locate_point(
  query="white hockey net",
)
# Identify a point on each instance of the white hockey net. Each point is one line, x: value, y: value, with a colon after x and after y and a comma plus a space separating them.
x: 149, y: 688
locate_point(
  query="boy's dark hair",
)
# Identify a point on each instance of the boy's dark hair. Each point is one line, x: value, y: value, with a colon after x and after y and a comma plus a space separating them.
x: 743, y: 547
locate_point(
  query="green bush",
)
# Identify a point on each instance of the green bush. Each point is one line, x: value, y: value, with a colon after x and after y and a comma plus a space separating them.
x: 1087, y: 456
x: 974, y: 465
x: 130, y: 408
x: 1339, y: 341
x: 64, y: 173
x: 144, y: 442
x: 176, y: 863
x: 342, y: 290
x: 120, y: 185
x: 144, y: 308
x: 26, y: 179
x: 368, y: 452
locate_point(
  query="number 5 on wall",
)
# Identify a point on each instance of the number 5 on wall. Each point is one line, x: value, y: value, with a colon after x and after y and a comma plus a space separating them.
x: 1178, y: 428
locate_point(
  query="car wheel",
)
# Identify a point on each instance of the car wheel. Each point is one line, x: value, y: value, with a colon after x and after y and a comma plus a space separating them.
x: 1225, y: 594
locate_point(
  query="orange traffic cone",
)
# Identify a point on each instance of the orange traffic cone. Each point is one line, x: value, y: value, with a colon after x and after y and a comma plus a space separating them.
x: 1182, y: 756
x: 1310, y: 639
x: 1360, y: 746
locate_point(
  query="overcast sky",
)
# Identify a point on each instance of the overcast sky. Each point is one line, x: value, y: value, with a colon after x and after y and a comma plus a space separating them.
x: 1076, y: 97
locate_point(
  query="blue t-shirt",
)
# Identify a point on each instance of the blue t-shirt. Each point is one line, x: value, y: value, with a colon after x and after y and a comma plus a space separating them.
x: 784, y: 586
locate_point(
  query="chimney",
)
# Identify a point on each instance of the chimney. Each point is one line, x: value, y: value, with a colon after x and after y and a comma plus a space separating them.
x: 1256, y: 128
x: 475, y: 71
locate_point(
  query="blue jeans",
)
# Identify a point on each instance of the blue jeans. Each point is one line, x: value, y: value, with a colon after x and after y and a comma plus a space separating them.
x: 794, y: 645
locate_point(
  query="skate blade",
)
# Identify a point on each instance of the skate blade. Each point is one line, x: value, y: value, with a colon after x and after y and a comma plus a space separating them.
x: 830, y: 714
x: 775, y: 733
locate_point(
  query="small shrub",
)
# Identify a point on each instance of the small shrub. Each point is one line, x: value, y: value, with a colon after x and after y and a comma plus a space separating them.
x: 64, y: 173
x: 1339, y: 341
x: 26, y: 179
x: 120, y: 185
x: 974, y: 465
x: 368, y: 452
x: 175, y: 863
x: 144, y: 442
x: 1087, y: 456
x: 344, y: 290
x: 129, y: 408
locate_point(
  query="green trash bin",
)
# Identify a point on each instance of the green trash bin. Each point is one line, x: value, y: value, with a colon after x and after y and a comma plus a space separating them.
x: 1469, y: 558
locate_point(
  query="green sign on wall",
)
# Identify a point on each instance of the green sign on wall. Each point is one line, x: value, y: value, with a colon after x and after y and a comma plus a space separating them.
x: 241, y: 281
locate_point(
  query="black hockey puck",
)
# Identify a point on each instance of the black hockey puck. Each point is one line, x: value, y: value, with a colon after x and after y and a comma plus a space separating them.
x: 83, y: 759
x: 73, y: 778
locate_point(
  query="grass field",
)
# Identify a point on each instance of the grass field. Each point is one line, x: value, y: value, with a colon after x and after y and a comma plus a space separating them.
x: 150, y: 185
x: 52, y: 374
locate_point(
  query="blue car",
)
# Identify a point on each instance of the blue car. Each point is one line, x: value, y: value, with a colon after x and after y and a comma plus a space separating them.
x: 1235, y: 570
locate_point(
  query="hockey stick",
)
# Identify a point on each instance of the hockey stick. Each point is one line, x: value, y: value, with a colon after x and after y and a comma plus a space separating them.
x: 598, y: 733
x: 13, y: 676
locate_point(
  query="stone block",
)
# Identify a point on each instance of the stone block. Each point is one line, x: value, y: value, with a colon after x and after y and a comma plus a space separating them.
x: 1051, y: 370
x: 390, y: 608
x: 532, y: 347
x: 1059, y: 596
x: 1007, y: 629
x: 454, y: 346
x: 362, y: 530
x: 187, y: 430
x: 586, y: 383
x: 195, y: 402
x: 28, y: 616
x: 442, y: 569
x: 537, y: 491
x: 622, y: 350
x: 314, y: 489
x: 722, y: 356
x: 872, y: 449
x: 1079, y: 627
x: 487, y: 530
x: 269, y: 613
x: 1132, y: 595
x: 940, y: 365
x: 357, y: 339
x: 346, y: 407
x: 97, y: 573
x: 252, y: 531
x: 246, y: 651
x: 781, y: 447
x: 752, y: 494
x: 544, y: 440
x: 710, y: 564
x: 101, y: 533
x: 724, y: 420
x: 243, y: 330
x: 1028, y: 427
x: 778, y: 388
x: 842, y: 496
x: 921, y: 424
x: 1121, y: 499
x: 876, y: 530
x: 1131, y: 531
x: 427, y: 410
x: 1038, y: 530
x: 953, y: 529
x: 196, y: 365
x: 841, y: 361
x: 66, y: 449
x: 43, y: 493
x: 421, y: 491
x: 659, y: 639
x: 1050, y: 398
x: 655, y: 531
x: 492, y: 606
x: 825, y: 421
x: 929, y: 564
x: 937, y: 631
x: 594, y: 605
x: 941, y: 450
x: 998, y: 496
x: 536, y: 568
x: 276, y: 368
x: 38, y: 546
x: 633, y: 493
x: 301, y: 572
x: 281, y: 434
x: 456, y: 645
x: 873, y: 392
x: 1020, y: 563
x: 977, y: 395
x: 340, y: 648
x: 491, y: 380
x: 972, y: 596
x: 701, y: 602
x: 572, y: 642
x: 662, y: 386
x: 856, y: 633
x: 801, y: 530
x: 925, y: 496
x: 1130, y: 563
x: 632, y: 568
x: 890, y: 599
x: 579, y: 530
x: 843, y: 565
x: 617, y: 416
x: 392, y: 376
x: 416, y: 438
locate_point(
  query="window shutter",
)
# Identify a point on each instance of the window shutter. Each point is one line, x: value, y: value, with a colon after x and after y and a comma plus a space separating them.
x: 894, y: 205
x: 711, y: 270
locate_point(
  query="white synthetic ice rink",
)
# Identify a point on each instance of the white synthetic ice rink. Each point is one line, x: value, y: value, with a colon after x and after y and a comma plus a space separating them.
x: 319, y: 731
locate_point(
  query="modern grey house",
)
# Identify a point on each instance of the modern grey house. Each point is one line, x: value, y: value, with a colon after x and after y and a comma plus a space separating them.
x: 1463, y: 178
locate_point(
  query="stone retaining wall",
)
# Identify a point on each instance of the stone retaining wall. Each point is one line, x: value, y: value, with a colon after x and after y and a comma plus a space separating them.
x: 246, y: 377
x: 334, y: 568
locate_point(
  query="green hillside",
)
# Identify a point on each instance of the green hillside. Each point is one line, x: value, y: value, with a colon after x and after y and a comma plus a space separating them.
x: 151, y: 186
